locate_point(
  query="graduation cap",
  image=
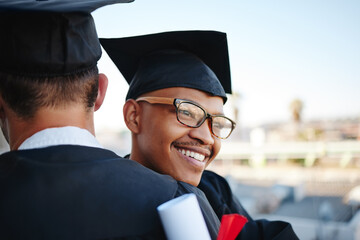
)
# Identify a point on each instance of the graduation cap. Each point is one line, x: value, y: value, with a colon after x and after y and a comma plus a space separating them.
x: 49, y: 37
x: 193, y: 59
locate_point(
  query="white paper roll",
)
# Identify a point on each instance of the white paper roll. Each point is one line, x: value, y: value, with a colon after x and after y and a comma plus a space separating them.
x: 182, y: 219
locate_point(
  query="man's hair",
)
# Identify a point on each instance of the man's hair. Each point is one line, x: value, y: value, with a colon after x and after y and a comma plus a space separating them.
x: 25, y: 95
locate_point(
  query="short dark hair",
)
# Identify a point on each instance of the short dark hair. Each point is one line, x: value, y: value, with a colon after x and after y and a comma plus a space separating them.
x: 25, y: 95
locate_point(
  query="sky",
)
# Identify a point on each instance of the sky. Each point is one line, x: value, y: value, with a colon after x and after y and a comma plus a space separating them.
x: 279, y: 50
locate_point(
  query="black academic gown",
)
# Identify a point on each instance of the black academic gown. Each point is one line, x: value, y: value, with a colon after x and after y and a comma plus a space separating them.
x: 77, y: 192
x: 219, y: 194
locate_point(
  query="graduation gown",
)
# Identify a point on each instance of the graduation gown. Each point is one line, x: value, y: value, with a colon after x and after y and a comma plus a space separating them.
x: 219, y: 194
x: 78, y: 192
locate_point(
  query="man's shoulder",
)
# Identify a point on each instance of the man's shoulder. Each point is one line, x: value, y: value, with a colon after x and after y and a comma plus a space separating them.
x: 95, y: 188
x: 94, y: 162
x: 210, y: 178
x: 210, y: 174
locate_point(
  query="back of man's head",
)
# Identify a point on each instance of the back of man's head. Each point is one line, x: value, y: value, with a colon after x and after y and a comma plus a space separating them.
x: 49, y: 52
x: 25, y: 95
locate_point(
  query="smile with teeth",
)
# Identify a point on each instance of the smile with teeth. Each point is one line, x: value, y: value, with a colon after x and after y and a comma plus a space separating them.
x: 198, y: 156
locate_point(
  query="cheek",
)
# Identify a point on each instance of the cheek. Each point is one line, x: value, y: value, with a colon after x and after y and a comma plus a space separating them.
x: 159, y: 133
x: 168, y: 129
x: 216, y: 148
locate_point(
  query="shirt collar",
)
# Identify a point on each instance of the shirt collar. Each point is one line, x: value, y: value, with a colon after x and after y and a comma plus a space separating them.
x: 60, y: 136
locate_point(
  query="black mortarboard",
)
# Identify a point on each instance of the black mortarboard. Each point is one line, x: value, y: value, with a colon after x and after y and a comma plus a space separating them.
x: 194, y: 59
x: 49, y: 37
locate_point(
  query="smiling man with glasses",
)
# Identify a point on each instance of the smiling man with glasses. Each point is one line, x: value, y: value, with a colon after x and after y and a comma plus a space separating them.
x: 175, y: 110
x: 179, y: 138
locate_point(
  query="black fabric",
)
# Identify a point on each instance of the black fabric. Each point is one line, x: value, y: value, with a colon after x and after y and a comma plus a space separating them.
x: 220, y: 196
x: 49, y: 38
x: 76, y: 192
x: 267, y: 230
x: 193, y: 59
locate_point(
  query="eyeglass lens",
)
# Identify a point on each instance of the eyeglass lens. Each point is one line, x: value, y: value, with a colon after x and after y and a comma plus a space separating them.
x: 193, y: 116
x: 221, y: 126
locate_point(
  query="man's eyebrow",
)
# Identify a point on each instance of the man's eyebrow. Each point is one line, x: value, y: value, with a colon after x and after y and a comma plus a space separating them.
x: 221, y: 112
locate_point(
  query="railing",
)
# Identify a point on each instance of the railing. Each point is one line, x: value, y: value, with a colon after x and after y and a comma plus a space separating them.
x: 343, y: 152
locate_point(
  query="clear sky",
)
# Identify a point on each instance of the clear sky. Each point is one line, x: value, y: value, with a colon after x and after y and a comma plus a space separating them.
x: 279, y: 50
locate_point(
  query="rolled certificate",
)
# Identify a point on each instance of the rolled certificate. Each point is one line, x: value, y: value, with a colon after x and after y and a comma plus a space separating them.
x: 182, y: 219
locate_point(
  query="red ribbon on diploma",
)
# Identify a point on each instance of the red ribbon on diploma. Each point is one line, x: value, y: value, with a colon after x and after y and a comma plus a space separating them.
x: 231, y: 225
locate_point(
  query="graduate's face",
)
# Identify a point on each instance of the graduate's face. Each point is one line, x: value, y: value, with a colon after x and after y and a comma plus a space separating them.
x: 166, y: 144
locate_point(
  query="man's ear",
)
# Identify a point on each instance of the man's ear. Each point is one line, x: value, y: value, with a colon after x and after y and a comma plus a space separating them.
x: 103, y: 84
x: 132, y: 115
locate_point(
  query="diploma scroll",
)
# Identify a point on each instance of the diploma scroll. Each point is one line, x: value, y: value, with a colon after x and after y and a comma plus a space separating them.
x: 182, y: 219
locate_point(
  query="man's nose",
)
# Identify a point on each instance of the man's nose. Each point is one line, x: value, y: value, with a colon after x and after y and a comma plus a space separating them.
x: 203, y: 133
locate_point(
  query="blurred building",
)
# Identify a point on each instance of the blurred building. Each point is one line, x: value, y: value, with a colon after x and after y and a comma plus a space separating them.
x: 315, y: 130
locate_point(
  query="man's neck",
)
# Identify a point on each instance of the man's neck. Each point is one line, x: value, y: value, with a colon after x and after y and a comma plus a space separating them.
x: 20, y: 130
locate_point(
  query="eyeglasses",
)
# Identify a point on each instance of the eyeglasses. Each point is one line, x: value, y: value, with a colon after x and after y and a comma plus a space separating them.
x: 193, y: 115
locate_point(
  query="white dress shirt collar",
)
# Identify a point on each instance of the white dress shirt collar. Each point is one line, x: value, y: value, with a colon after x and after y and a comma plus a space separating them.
x: 60, y: 136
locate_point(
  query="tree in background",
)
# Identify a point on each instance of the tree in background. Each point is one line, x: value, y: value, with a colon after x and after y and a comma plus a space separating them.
x: 296, y: 107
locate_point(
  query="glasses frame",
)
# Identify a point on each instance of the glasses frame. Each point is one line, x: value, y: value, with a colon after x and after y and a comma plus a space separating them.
x: 176, y: 102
